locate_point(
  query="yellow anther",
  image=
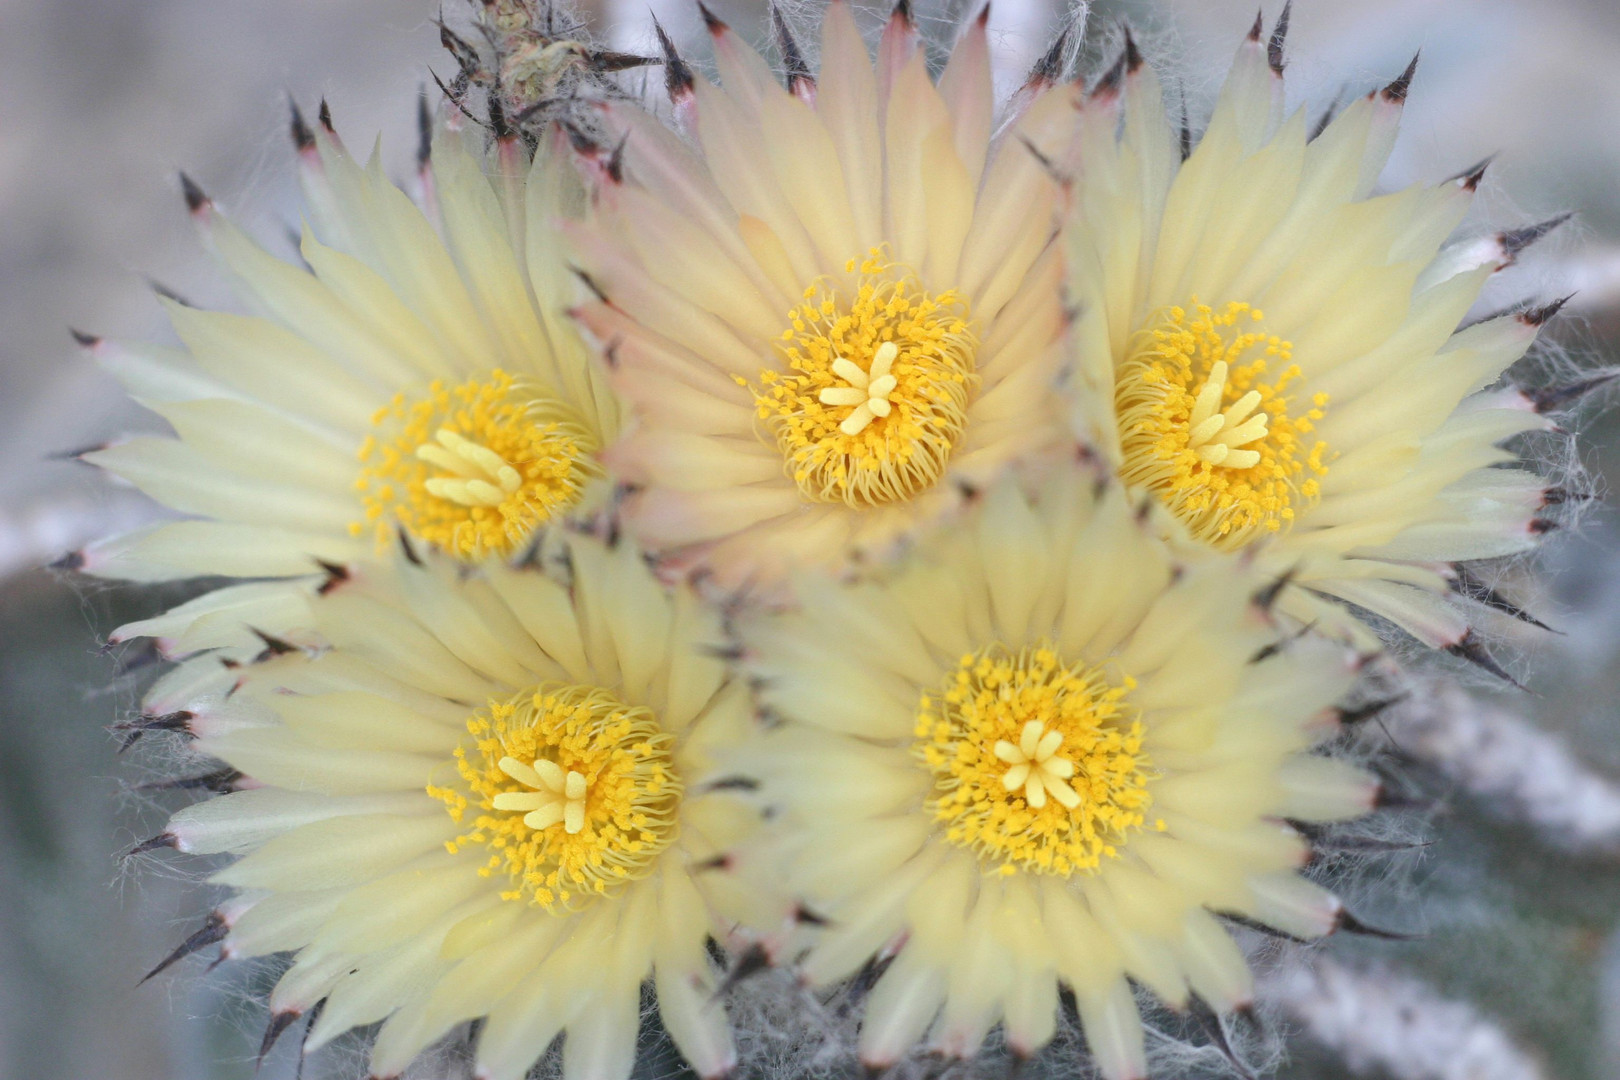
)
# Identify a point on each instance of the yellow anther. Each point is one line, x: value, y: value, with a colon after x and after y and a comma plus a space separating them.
x: 882, y: 432
x: 1229, y: 473
x: 473, y: 468
x: 991, y: 738
x: 575, y: 791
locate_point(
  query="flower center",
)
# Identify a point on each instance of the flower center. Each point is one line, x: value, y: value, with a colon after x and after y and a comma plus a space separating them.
x: 474, y: 468
x: 1037, y: 766
x: 572, y: 791
x: 875, y: 395
x: 1201, y: 426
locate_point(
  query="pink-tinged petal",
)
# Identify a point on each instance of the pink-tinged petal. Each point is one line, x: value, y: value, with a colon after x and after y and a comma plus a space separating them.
x: 913, y: 113
x: 631, y: 348
x: 1038, y: 300
x: 666, y: 167
x: 681, y: 461
x: 690, y: 261
x: 665, y: 518
x: 968, y: 93
x: 847, y: 101
x: 1015, y: 208
x: 805, y: 161
x: 666, y: 402
x: 896, y: 47
x: 730, y: 142
x: 628, y: 286
x: 743, y: 72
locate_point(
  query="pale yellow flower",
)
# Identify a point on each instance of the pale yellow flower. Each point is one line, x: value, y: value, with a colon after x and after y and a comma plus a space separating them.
x: 1041, y: 753
x: 827, y: 301
x: 419, y: 374
x: 1272, y: 350
x: 481, y: 794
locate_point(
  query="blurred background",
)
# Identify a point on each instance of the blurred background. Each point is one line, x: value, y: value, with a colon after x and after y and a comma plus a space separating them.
x: 1517, y: 901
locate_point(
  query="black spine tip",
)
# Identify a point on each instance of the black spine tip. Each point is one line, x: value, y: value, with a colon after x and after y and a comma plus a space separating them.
x: 336, y: 575
x: 424, y: 129
x: 615, y: 161
x: 902, y: 11
x: 1210, y: 1021
x: 608, y: 61
x: 721, y: 862
x: 1469, y: 648
x: 805, y: 916
x: 221, y: 781
x: 1049, y: 68
x: 1260, y: 928
x: 793, y: 63
x: 1322, y: 122
x: 212, y: 931
x: 1514, y: 241
x: 1113, y: 78
x: 750, y: 963
x: 1259, y: 26
x: 581, y: 141
x: 75, y: 455
x: 73, y: 560
x: 1542, y: 314
x: 88, y: 341
x: 1360, y: 714
x: 1464, y: 582
x: 1395, y: 92
x: 130, y: 731
x: 1352, y: 925
x: 273, y: 646
x: 161, y: 840
x: 714, y: 24
x: 1470, y: 177
x: 589, y: 282
x: 1266, y: 598
x: 1133, y: 55
x: 196, y: 199
x: 733, y: 783
x: 1557, y: 496
x: 303, y: 138
x: 279, y: 1022
x: 324, y: 115
x: 167, y: 293
x: 408, y: 549
x: 1556, y: 398
x: 678, y: 78
x: 498, y: 124
x: 1279, y: 36
x: 984, y: 15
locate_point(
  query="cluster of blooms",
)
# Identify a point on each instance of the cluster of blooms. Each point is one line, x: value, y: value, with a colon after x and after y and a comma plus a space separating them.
x: 853, y: 526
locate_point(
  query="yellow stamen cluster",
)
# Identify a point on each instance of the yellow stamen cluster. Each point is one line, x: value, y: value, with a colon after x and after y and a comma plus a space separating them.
x: 875, y: 392
x: 571, y: 790
x: 1202, y: 427
x: 474, y: 468
x: 1037, y: 765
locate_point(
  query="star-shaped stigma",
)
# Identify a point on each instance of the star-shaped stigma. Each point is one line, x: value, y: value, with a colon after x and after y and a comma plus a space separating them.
x: 557, y: 795
x: 1215, y: 436
x: 1035, y: 769
x: 868, y: 391
x: 478, y: 475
